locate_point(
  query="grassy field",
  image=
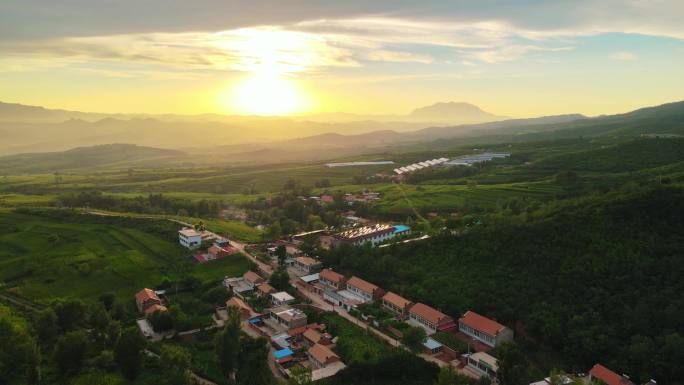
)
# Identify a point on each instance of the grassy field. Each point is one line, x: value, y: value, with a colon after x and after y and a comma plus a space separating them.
x: 43, y: 258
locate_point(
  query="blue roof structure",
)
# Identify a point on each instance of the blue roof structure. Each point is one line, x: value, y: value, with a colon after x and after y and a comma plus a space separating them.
x: 432, y: 344
x: 401, y: 228
x: 283, y: 353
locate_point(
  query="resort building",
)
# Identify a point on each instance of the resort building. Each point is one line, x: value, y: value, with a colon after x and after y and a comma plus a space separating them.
x: 484, y: 329
x: 367, y: 234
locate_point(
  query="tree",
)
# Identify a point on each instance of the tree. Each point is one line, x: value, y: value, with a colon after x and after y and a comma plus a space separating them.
x: 175, y: 362
x: 70, y: 314
x: 18, y: 353
x: 46, y: 326
x: 300, y: 375
x: 128, y: 352
x: 281, y: 253
x: 252, y: 364
x: 449, y: 376
x: 163, y: 320
x: 413, y: 338
x: 70, y: 351
x: 227, y: 343
x: 280, y: 279
x: 107, y: 300
x: 513, y: 365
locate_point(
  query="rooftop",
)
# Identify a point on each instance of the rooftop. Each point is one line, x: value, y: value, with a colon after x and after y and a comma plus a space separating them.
x: 310, y: 278
x: 363, y: 232
x: 608, y: 376
x: 146, y: 294
x: 331, y: 275
x: 307, y: 261
x: 481, y: 323
x: 288, y: 313
x: 189, y: 232
x: 396, y: 300
x: 428, y: 313
x: 432, y: 344
x: 322, y: 353
x: 487, y: 359
x: 362, y: 285
x: 282, y: 296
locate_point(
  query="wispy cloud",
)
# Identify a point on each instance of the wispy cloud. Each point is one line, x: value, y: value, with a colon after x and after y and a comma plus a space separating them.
x: 623, y: 56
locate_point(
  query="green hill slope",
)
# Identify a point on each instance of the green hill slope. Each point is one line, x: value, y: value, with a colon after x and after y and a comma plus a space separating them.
x: 107, y: 155
x: 596, y: 279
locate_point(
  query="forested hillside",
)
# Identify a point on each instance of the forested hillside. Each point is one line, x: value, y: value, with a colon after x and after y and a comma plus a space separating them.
x: 596, y: 279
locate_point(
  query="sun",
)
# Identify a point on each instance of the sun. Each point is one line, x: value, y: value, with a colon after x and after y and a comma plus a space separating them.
x: 267, y: 94
x: 272, y: 58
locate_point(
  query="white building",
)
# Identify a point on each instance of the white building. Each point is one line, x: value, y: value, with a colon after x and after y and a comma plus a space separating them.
x: 190, y: 238
x: 281, y: 298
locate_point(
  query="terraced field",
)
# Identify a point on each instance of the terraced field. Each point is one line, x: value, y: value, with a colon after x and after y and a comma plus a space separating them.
x: 43, y: 258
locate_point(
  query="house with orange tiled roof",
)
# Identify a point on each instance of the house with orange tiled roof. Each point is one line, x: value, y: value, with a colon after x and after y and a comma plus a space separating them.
x: 484, y: 329
x: 364, y: 289
x: 307, y: 264
x: 147, y: 299
x: 603, y: 375
x: 396, y: 304
x: 321, y: 356
x: 432, y: 320
x: 332, y: 279
x: 265, y: 289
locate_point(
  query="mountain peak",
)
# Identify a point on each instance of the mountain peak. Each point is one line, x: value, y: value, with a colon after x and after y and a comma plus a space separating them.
x: 453, y: 111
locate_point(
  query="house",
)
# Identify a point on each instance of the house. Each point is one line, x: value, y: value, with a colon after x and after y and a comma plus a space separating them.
x: 265, y: 289
x: 313, y: 336
x: 246, y: 311
x: 307, y: 264
x: 190, y: 238
x: 603, y: 375
x: 367, y: 234
x: 327, y: 199
x: 148, y: 302
x: 287, y: 316
x: 396, y: 304
x: 483, y: 364
x: 321, y: 356
x: 364, y: 289
x: 252, y: 279
x: 429, y: 319
x: 331, y: 279
x: 484, y: 329
x: 281, y: 298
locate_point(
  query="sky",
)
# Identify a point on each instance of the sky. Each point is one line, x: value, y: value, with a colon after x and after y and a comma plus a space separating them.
x: 517, y: 58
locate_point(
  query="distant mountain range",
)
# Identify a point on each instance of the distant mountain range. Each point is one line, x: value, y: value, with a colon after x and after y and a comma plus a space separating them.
x: 272, y: 139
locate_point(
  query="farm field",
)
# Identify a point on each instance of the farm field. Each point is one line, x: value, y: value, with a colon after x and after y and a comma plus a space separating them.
x: 43, y: 258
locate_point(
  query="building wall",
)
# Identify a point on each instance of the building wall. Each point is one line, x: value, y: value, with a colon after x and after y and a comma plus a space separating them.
x: 429, y: 327
x: 503, y: 336
x: 189, y: 242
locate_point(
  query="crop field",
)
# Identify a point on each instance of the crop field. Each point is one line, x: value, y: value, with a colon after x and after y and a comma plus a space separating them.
x: 43, y: 258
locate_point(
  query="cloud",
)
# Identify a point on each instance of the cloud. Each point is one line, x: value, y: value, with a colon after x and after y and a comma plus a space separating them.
x: 399, y: 57
x: 623, y: 56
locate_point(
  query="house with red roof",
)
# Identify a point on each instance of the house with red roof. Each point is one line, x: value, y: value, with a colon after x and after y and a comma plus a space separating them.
x: 396, y: 304
x: 603, y: 375
x: 430, y: 319
x: 483, y: 329
x: 364, y: 289
x: 148, y: 301
x: 331, y: 279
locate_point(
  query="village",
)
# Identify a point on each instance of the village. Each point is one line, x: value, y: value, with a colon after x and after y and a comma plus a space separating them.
x: 282, y: 315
